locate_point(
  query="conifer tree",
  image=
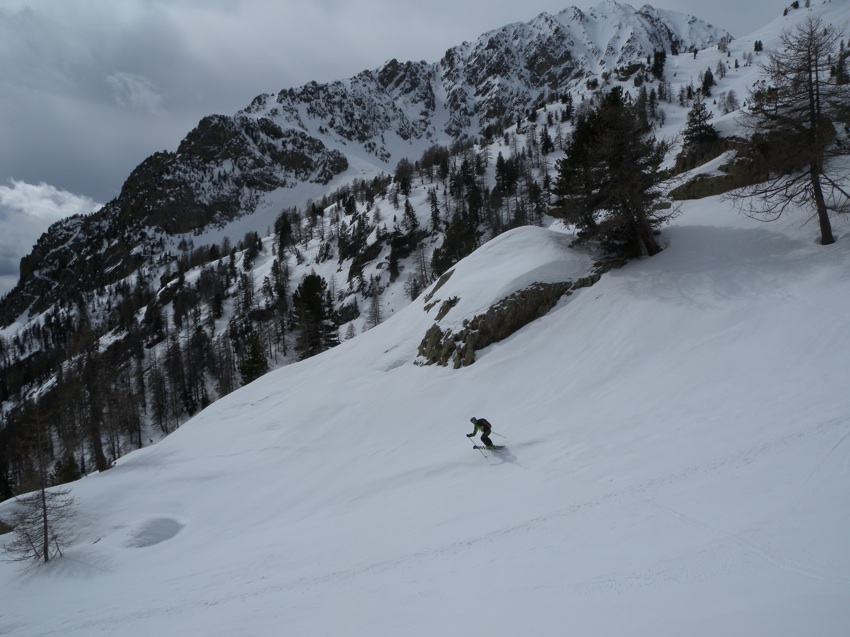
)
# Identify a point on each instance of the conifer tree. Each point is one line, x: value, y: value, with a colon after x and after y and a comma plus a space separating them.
x: 699, y: 130
x: 608, y: 181
x: 659, y: 59
x: 314, y: 317
x: 254, y: 363
x: 707, y: 82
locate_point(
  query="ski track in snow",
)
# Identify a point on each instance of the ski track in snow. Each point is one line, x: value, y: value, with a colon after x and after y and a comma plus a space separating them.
x: 692, y: 446
x: 690, y: 568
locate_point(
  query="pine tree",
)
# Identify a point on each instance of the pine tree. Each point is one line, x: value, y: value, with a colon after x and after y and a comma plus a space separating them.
x: 659, y: 59
x: 546, y: 143
x: 404, y: 176
x: 707, y: 82
x: 435, y: 210
x: 314, y: 317
x: 699, y: 129
x: 608, y: 182
x: 460, y: 239
x: 409, y: 221
x: 254, y: 363
x: 375, y: 315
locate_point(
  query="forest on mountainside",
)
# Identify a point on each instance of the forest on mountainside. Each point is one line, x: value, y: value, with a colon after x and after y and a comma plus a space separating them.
x: 126, y: 362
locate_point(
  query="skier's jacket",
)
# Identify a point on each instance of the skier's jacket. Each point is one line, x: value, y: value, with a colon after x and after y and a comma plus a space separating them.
x: 482, y: 425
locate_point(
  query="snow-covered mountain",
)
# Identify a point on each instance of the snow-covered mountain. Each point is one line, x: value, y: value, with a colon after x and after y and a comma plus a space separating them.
x: 677, y: 463
x: 231, y: 166
x: 489, y: 82
x: 676, y: 429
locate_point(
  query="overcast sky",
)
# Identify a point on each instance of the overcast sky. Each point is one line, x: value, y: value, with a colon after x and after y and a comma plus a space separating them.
x: 89, y: 88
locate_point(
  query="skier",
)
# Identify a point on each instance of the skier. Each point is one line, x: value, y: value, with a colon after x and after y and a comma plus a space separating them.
x: 485, y: 427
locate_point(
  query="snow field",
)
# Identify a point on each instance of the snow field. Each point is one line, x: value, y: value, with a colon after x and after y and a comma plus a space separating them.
x: 677, y: 463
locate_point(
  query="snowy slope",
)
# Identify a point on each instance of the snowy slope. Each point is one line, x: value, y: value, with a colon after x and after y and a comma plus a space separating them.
x: 678, y: 463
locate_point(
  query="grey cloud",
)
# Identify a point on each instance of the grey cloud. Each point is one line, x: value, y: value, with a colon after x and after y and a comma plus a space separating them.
x: 92, y: 87
x: 8, y: 273
x: 26, y: 211
x: 135, y: 91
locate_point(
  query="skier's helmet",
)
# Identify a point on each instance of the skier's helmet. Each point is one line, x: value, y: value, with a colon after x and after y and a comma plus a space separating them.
x: 473, y: 419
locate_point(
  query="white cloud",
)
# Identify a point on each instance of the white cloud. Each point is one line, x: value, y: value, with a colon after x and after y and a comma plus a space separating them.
x: 43, y: 201
x: 26, y: 211
x: 135, y: 91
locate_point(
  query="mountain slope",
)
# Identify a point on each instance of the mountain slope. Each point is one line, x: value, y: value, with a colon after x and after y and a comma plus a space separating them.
x: 677, y: 461
x: 234, y: 166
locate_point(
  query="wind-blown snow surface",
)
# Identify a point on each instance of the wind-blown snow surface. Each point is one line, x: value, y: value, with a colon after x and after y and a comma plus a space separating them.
x: 677, y: 463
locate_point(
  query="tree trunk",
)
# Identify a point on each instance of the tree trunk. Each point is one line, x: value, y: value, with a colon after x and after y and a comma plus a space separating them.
x: 826, y: 237
x: 96, y: 441
x: 42, y: 479
x: 45, y: 525
x: 648, y: 238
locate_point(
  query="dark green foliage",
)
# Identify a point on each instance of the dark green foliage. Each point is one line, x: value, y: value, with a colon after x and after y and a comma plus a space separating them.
x: 707, y: 82
x: 506, y: 174
x: 546, y: 143
x: 699, y: 130
x: 659, y: 59
x: 254, y: 364
x: 65, y: 470
x: 839, y: 69
x: 460, y: 240
x: 607, y: 183
x: 314, y: 317
x: 404, y: 176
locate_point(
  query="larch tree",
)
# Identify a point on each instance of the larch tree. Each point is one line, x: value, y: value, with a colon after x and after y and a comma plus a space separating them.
x: 793, y: 115
x: 40, y: 519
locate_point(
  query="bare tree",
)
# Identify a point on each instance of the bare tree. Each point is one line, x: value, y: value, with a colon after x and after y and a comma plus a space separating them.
x: 40, y: 526
x: 793, y: 111
x: 40, y: 519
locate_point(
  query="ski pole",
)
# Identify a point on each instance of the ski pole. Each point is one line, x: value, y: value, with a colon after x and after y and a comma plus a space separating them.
x: 498, y: 434
x: 474, y: 446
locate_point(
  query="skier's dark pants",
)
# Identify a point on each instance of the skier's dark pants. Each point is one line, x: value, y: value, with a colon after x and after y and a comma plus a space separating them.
x: 486, y: 439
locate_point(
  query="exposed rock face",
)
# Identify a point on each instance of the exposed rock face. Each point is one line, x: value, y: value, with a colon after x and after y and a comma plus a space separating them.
x: 443, y: 346
x: 500, y: 321
x: 218, y: 173
x: 491, y: 81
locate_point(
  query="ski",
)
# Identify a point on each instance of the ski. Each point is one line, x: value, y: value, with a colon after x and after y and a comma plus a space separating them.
x: 493, y: 448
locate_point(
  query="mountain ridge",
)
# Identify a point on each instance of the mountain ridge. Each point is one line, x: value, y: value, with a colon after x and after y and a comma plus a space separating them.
x: 225, y: 165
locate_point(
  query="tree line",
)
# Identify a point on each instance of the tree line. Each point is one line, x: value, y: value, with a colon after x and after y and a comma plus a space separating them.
x: 98, y: 373
x: 129, y: 362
